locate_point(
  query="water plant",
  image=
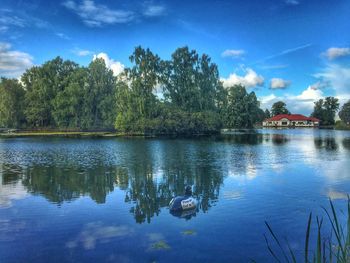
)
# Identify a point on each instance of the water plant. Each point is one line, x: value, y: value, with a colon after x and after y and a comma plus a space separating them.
x: 189, y: 232
x: 160, y: 245
x: 333, y: 248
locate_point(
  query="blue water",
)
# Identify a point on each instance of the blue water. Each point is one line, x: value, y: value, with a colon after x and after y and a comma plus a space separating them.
x: 106, y: 200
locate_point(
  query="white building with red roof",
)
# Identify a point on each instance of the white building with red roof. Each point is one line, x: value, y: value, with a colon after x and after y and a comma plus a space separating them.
x: 291, y: 120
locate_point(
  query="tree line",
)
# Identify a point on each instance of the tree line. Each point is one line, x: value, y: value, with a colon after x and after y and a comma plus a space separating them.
x: 182, y: 95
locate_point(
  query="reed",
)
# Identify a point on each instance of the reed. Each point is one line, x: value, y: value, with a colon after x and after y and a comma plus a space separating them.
x: 333, y: 248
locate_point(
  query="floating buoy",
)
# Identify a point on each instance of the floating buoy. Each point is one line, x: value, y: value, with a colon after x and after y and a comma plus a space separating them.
x: 183, y: 203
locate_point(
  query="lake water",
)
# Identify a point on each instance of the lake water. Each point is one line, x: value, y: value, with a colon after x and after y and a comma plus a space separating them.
x: 106, y: 200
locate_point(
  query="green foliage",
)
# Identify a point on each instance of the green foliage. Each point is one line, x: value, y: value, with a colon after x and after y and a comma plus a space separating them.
x: 344, y: 113
x: 99, y: 96
x: 11, y: 103
x: 325, y: 110
x: 340, y: 125
x: 242, y: 109
x: 192, y: 93
x: 191, y: 82
x: 42, y: 85
x: 62, y: 95
x: 69, y: 104
x: 279, y: 107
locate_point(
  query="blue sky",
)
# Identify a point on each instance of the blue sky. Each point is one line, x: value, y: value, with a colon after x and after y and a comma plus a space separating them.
x: 294, y: 50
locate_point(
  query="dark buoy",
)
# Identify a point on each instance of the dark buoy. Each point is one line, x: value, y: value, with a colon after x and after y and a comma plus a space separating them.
x: 183, y: 203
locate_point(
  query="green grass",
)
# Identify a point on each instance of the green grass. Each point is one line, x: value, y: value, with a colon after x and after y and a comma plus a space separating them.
x: 326, y: 250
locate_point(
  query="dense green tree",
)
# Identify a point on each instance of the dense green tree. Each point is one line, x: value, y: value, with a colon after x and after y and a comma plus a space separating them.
x: 11, y: 103
x: 191, y: 82
x: 61, y: 94
x: 279, y: 107
x: 99, y: 96
x: 267, y: 114
x: 136, y: 102
x: 344, y: 113
x: 69, y: 106
x: 242, y: 108
x: 325, y: 110
x: 42, y: 84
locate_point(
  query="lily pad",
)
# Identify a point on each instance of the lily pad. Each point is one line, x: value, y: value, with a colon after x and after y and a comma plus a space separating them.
x: 189, y: 232
x: 160, y: 245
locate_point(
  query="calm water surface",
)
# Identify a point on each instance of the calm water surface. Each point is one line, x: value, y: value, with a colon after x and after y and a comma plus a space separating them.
x: 106, y: 200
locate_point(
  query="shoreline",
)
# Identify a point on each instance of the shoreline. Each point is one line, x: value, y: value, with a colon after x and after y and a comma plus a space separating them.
x: 110, y: 134
x: 92, y: 134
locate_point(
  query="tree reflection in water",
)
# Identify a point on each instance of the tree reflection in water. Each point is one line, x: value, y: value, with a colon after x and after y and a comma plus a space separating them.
x: 150, y: 173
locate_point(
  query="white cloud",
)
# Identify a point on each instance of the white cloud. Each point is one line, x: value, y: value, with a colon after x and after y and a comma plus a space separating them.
x: 336, y: 52
x: 152, y: 10
x: 95, y: 15
x: 12, y: 62
x: 82, y: 52
x: 302, y: 103
x: 309, y: 95
x: 277, y: 83
x: 249, y: 80
x: 11, y: 20
x: 63, y: 36
x: 333, y: 76
x: 337, y: 78
x: 3, y: 29
x: 234, y: 53
x: 115, y: 66
x: 11, y: 192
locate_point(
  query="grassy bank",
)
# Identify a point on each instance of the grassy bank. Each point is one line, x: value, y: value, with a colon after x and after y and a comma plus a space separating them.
x: 96, y: 134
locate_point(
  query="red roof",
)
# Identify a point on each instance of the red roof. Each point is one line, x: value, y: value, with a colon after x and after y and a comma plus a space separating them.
x: 292, y: 117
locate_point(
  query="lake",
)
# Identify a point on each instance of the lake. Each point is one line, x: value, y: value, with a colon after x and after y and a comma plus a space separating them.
x: 106, y: 200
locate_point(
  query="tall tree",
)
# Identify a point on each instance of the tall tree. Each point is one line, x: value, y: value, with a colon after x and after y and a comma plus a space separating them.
x: 242, y: 108
x: 69, y: 106
x: 191, y: 82
x: 325, y: 110
x: 344, y: 113
x: 136, y: 101
x: 42, y: 85
x: 11, y: 103
x: 279, y: 107
x: 99, y: 96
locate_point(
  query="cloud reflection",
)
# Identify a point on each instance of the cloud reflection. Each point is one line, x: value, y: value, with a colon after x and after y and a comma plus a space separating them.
x: 11, y: 192
x: 96, y: 232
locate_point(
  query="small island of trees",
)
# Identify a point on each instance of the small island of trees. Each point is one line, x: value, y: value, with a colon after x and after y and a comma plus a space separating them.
x: 183, y: 95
